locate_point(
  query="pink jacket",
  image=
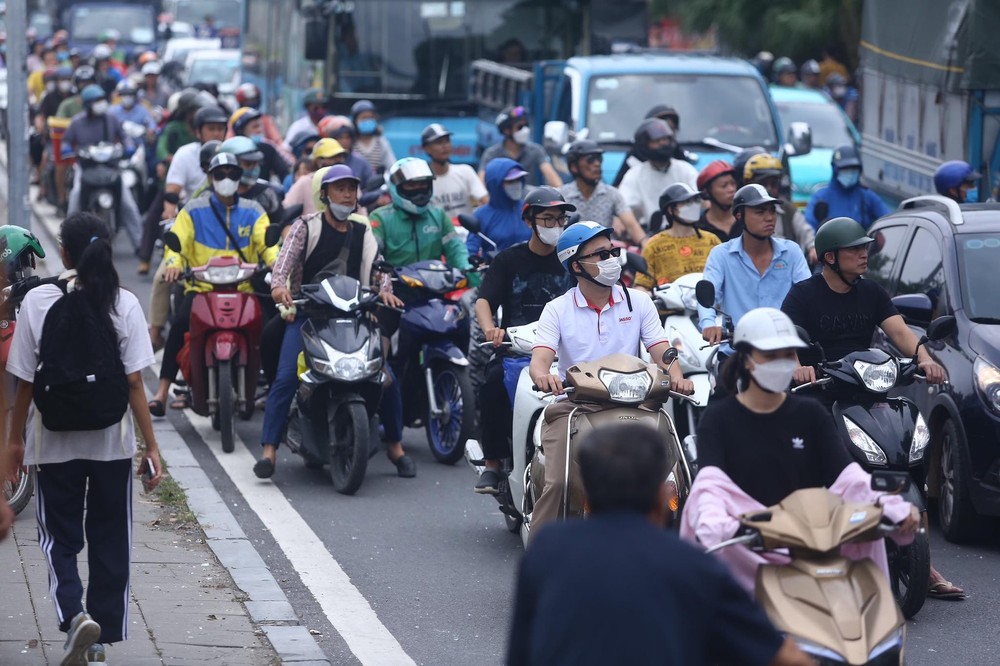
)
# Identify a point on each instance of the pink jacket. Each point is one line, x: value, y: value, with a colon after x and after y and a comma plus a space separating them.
x: 710, y: 517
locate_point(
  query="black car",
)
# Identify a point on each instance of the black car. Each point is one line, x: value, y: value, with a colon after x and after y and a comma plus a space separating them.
x: 937, y: 258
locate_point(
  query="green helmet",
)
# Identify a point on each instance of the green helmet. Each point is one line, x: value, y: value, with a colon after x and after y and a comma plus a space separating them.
x: 838, y: 233
x: 18, y: 249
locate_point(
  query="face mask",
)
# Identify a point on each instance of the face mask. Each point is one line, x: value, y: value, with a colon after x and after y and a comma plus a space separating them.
x: 972, y: 196
x: 257, y: 139
x: 250, y: 176
x: 522, y: 135
x: 548, y: 236
x: 99, y: 108
x: 367, y: 126
x: 128, y: 102
x: 63, y: 56
x: 774, y: 376
x: 339, y: 211
x: 661, y: 154
x: 514, y: 190
x: 838, y: 92
x: 689, y: 212
x: 610, y: 270
x: 848, y: 178
x: 226, y: 187
x: 65, y: 86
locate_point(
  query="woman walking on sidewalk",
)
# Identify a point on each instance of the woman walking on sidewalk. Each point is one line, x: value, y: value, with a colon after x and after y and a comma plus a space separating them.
x: 84, y: 466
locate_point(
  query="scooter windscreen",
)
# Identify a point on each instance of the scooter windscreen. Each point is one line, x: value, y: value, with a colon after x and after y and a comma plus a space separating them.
x: 340, y: 291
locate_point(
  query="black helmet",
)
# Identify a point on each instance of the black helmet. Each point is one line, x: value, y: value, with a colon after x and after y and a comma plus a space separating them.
x: 845, y: 157
x: 741, y: 159
x: 542, y: 198
x: 678, y: 193
x: 210, y: 114
x: 433, y: 132
x: 649, y: 130
x: 580, y: 148
x: 83, y: 74
x: 186, y: 102
x: 506, y: 117
x: 665, y: 112
x: 752, y: 195
x: 207, y: 152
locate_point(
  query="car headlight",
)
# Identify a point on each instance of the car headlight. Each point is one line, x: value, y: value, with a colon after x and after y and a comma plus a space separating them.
x: 921, y: 437
x: 873, y: 452
x: 626, y: 387
x: 684, y: 352
x: 879, y: 377
x: 988, y: 382
x: 105, y: 200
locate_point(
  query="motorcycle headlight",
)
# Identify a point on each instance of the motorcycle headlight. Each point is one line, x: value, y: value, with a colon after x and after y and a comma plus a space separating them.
x: 988, y: 382
x: 128, y: 178
x: 349, y: 368
x: 345, y: 367
x: 685, y: 353
x: 888, y: 649
x: 222, y: 274
x: 626, y: 387
x: 879, y: 377
x: 102, y: 152
x: 921, y: 437
x: 873, y: 452
x: 105, y: 200
x: 820, y: 652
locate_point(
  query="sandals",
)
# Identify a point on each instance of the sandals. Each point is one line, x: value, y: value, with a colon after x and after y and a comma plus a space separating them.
x: 156, y: 408
x: 183, y: 401
x: 945, y: 589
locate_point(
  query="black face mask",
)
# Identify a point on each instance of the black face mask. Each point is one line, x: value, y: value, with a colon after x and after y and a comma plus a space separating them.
x: 661, y: 154
x: 421, y: 198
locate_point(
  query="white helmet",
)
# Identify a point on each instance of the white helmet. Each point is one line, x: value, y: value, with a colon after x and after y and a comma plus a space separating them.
x: 151, y: 68
x: 767, y: 329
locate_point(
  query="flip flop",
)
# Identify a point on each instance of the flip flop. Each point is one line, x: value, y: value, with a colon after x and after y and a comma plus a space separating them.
x: 182, y: 402
x: 156, y: 408
x: 945, y: 590
x: 263, y: 468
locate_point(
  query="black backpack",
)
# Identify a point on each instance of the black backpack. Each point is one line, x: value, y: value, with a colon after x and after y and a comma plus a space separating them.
x: 80, y: 381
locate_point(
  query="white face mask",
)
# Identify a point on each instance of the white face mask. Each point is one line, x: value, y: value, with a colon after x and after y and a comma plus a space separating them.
x: 340, y: 211
x: 99, y: 108
x: 514, y: 189
x: 65, y: 86
x: 689, y: 212
x: 226, y: 187
x: 50, y: 86
x: 549, y: 236
x: 774, y: 376
x: 128, y: 101
x: 610, y: 270
x: 522, y: 135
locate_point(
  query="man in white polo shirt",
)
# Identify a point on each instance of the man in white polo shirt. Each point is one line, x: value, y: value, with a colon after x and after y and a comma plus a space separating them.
x: 594, y: 319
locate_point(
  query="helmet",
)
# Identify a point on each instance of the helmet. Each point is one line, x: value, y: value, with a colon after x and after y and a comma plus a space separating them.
x: 186, y: 102
x: 781, y: 66
x: 83, y: 74
x: 316, y: 187
x: 146, y: 57
x: 581, y: 148
x: 327, y: 148
x: 338, y: 172
x: 411, y: 170
x: 49, y: 75
x: 247, y: 92
x: 752, y: 195
x: 766, y: 329
x: 836, y: 79
x: 507, y: 117
x: 741, y: 159
x: 335, y: 126
x: 125, y: 87
x: 92, y: 93
x: 838, y: 233
x: 762, y: 165
x: 433, y: 132
x: 209, y: 114
x: 713, y: 170
x: 953, y: 174
x: 575, y: 236
x: 101, y: 52
x: 649, y: 130
x: 18, y: 247
x: 64, y: 72
x: 809, y: 68
x: 542, y: 198
x: 242, y: 117
x: 845, y: 157
x: 224, y: 158
x: 665, y: 112
x: 243, y: 148
x: 300, y: 141
x: 361, y: 106
x: 151, y: 69
x: 678, y: 193
x: 207, y: 152
x: 314, y: 96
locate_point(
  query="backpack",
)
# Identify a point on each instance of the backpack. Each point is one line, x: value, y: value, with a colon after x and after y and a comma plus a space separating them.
x: 80, y: 381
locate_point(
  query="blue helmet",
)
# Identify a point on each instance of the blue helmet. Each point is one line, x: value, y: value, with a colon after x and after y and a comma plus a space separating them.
x: 952, y: 174
x: 575, y: 236
x: 845, y: 157
x: 411, y: 170
x: 92, y: 93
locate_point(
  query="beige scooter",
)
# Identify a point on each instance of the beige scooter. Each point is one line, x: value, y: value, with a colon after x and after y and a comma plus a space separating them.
x: 838, y: 610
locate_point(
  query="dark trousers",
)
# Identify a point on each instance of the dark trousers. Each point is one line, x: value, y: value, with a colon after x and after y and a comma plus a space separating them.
x: 495, y: 413
x: 270, y: 346
x: 105, y: 489
x: 151, y: 228
x: 179, y: 325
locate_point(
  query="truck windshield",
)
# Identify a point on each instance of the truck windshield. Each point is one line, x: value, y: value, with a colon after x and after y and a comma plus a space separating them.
x: 136, y: 24
x: 226, y: 13
x: 730, y: 109
x: 213, y: 70
x: 829, y: 128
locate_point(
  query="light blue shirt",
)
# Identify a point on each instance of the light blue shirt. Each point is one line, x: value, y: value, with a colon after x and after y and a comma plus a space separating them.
x: 137, y: 114
x: 739, y: 286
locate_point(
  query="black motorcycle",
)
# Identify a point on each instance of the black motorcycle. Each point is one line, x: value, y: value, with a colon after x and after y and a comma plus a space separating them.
x: 101, y: 182
x: 884, y: 433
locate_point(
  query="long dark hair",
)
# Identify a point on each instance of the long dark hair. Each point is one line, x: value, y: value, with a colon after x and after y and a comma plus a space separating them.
x: 88, y: 247
x: 734, y: 374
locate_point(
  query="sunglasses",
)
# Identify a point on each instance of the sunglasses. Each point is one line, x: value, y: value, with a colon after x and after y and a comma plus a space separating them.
x: 222, y: 173
x: 593, y: 159
x: 603, y: 255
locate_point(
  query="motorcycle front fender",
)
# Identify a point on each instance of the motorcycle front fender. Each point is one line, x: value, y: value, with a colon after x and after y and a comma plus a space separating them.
x: 226, y: 346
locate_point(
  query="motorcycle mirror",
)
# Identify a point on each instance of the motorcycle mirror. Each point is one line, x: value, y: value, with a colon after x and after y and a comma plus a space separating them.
x: 704, y: 292
x: 636, y: 263
x: 804, y: 334
x: 171, y: 240
x: 291, y: 213
x: 669, y: 356
x: 470, y: 223
x: 941, y: 328
x: 573, y: 219
x: 890, y: 482
x: 273, y: 235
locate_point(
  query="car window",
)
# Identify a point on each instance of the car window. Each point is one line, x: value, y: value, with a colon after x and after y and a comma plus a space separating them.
x: 884, y: 254
x: 979, y: 255
x: 923, y: 269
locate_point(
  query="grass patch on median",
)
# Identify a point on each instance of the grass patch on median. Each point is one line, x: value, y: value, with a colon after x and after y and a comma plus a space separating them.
x: 173, y: 497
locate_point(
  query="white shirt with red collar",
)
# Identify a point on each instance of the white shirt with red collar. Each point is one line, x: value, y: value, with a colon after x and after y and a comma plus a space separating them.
x: 579, y: 331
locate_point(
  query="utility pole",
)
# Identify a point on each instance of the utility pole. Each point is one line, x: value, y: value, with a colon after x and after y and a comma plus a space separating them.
x: 18, y: 158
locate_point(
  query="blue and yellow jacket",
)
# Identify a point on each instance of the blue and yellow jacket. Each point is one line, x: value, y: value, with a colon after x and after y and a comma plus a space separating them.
x: 202, y: 237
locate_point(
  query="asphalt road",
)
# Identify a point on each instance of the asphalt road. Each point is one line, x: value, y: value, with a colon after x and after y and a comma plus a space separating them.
x: 437, y: 564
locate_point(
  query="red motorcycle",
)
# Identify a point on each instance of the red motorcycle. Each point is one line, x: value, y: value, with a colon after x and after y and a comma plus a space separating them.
x: 221, y: 356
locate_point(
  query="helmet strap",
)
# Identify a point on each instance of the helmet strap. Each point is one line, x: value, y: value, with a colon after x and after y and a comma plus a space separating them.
x: 835, y: 267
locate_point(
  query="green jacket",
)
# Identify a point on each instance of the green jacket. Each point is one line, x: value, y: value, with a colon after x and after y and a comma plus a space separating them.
x: 174, y: 135
x: 406, y: 239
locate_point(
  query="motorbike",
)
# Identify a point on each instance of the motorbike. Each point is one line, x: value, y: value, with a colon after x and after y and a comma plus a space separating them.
x: 333, y: 418
x: 839, y: 611
x: 133, y: 167
x: 884, y: 433
x: 223, y: 345
x: 100, y: 181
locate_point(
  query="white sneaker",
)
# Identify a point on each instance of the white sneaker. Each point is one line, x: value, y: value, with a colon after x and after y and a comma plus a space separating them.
x: 83, y: 633
x: 95, y: 655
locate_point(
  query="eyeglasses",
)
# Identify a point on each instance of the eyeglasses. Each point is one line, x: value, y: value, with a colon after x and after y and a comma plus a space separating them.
x: 552, y: 222
x: 603, y: 255
x: 518, y: 126
x: 221, y: 173
x: 593, y: 159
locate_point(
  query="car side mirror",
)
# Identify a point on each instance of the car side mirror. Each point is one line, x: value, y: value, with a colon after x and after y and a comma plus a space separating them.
x: 470, y: 223
x: 171, y: 240
x: 915, y: 308
x: 704, y: 293
x: 800, y: 139
x: 941, y: 328
x: 892, y: 483
x: 273, y: 235
x: 555, y: 135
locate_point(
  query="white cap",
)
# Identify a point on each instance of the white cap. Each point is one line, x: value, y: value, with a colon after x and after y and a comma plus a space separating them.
x: 151, y: 68
x: 767, y: 329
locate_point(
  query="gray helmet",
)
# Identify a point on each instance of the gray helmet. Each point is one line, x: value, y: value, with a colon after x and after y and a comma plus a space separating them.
x: 752, y: 195
x: 210, y: 114
x: 224, y: 159
x: 581, y: 148
x: 433, y: 132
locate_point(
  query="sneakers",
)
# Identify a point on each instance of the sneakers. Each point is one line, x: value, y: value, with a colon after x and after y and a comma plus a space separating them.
x: 489, y: 482
x: 95, y: 655
x: 405, y: 467
x: 82, y: 635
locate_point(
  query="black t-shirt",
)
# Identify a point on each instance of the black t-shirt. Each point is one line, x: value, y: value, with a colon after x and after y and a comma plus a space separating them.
x: 523, y: 282
x: 331, y: 242
x: 50, y: 103
x: 615, y: 589
x: 273, y: 164
x: 841, y: 323
x: 772, y: 455
x: 734, y: 232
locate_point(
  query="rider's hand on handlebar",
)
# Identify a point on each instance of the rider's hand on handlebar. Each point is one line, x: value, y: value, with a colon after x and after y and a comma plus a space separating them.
x: 550, y: 384
x: 282, y: 296
x: 390, y: 299
x: 682, y: 386
x: 712, y: 334
x: 495, y: 335
x: 912, y: 522
x: 169, y: 210
x: 805, y: 374
x: 171, y: 274
x: 933, y: 371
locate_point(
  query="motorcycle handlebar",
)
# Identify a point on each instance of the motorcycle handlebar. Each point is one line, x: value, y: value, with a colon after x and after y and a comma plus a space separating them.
x: 819, y: 382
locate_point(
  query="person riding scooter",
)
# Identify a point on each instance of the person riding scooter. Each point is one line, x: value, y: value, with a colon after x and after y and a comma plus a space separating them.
x: 955, y: 179
x: 596, y: 318
x: 681, y: 248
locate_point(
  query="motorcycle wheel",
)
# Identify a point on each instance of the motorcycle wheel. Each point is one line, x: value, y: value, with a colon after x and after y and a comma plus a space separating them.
x: 227, y: 407
x: 348, y: 447
x: 18, y: 495
x: 511, y: 516
x: 108, y: 218
x: 909, y: 573
x: 447, y: 432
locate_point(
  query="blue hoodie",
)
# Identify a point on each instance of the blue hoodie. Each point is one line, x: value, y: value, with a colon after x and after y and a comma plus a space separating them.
x: 858, y: 203
x: 500, y: 218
